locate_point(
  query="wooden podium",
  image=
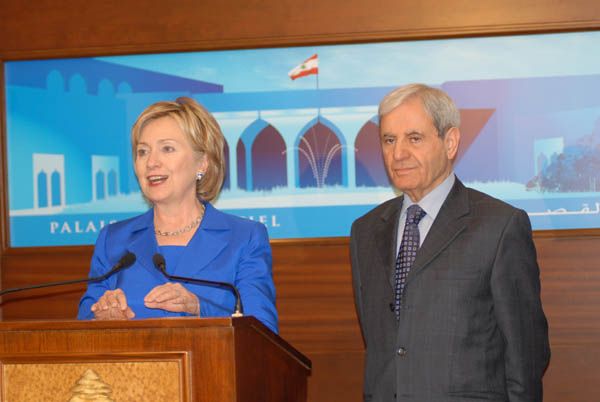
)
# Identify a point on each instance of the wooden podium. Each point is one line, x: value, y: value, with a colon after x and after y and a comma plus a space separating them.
x: 173, y: 359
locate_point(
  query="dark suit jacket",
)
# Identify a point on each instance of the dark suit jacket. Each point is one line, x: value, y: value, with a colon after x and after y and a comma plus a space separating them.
x: 472, y: 326
x: 224, y: 248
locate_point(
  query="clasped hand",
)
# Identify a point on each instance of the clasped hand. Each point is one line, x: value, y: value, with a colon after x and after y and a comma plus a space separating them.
x: 172, y: 297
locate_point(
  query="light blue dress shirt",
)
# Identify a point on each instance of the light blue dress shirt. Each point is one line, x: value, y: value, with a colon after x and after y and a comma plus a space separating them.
x: 431, y: 204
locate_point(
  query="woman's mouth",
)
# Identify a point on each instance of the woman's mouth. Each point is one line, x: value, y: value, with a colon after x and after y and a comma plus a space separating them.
x: 157, y: 179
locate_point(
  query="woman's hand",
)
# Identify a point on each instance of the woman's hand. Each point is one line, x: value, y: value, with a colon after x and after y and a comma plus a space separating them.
x: 173, y: 297
x: 112, y: 306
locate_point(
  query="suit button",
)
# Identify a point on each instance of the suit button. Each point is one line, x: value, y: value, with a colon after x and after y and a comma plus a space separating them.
x: 402, y: 352
x: 392, y: 307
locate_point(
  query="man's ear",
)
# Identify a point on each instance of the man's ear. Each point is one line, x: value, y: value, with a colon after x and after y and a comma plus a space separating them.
x: 451, y: 142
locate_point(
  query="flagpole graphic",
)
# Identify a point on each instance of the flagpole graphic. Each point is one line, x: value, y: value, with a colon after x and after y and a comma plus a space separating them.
x: 318, y: 149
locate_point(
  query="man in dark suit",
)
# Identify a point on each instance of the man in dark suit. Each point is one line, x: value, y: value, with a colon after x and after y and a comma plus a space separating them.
x: 445, y: 278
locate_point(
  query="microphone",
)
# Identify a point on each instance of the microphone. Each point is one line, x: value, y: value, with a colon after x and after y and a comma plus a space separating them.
x: 161, y: 265
x: 126, y: 261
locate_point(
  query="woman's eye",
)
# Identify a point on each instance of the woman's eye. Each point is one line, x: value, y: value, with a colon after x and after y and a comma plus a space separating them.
x: 141, y: 152
x: 168, y: 148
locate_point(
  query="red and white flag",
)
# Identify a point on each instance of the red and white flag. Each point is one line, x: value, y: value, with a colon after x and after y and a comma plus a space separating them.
x: 309, y: 66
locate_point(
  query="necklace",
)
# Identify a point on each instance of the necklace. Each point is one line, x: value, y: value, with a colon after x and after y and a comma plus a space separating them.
x: 184, y: 229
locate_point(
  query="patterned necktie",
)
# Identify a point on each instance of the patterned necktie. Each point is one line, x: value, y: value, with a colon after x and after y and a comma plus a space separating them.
x: 407, y: 252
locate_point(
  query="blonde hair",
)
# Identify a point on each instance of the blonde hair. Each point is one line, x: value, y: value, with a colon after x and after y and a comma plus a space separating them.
x: 202, y: 131
x: 438, y: 105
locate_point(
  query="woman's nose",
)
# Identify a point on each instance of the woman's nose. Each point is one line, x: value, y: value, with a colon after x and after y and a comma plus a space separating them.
x: 153, y: 160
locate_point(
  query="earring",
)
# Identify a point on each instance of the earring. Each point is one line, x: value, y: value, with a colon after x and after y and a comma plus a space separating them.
x: 199, y: 176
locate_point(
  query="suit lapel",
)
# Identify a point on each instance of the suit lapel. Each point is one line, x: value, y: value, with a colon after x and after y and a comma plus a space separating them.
x: 210, y: 239
x: 385, y: 238
x: 144, y: 244
x: 449, y: 223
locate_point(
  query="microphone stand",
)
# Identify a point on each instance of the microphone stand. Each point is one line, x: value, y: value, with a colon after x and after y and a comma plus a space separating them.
x: 159, y: 262
x: 239, y: 311
x: 125, y: 262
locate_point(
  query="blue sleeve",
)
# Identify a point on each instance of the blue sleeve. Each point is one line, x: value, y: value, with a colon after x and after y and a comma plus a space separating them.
x: 254, y: 279
x: 95, y: 290
x: 250, y: 272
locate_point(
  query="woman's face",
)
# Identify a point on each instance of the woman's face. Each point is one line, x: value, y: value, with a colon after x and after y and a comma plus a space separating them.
x: 165, y: 163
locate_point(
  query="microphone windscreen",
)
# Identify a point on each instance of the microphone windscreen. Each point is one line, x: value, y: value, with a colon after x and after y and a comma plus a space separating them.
x: 159, y: 261
x: 127, y: 260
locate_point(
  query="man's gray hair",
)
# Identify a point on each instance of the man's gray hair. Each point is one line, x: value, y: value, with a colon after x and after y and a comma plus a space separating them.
x: 438, y: 105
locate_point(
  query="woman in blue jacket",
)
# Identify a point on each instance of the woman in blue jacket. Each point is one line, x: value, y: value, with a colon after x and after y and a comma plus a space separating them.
x: 179, y: 164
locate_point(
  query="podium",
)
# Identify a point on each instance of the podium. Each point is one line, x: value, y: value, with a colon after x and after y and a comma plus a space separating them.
x: 171, y: 359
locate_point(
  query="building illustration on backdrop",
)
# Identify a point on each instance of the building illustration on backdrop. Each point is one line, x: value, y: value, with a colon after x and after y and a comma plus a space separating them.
x: 69, y: 123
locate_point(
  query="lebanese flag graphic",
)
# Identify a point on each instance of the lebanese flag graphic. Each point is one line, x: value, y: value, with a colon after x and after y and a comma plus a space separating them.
x: 309, y: 66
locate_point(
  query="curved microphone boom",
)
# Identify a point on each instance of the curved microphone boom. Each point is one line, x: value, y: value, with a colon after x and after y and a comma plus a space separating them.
x: 161, y: 265
x: 126, y: 261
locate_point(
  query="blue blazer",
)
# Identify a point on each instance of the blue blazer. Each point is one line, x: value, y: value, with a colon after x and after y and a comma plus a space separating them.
x: 224, y: 248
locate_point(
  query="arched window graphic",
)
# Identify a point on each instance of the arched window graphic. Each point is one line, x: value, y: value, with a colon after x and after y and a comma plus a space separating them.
x: 268, y: 160
x: 55, y: 81
x: 112, y: 183
x: 226, y: 180
x: 241, y: 165
x: 370, y: 171
x: 48, y: 188
x: 77, y: 85
x: 55, y: 188
x: 100, y: 186
x: 124, y: 88
x: 42, y: 186
x: 106, y: 88
x: 105, y: 176
x: 319, y: 157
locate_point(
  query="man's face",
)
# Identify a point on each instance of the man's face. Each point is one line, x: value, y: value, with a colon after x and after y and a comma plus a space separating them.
x: 416, y: 158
